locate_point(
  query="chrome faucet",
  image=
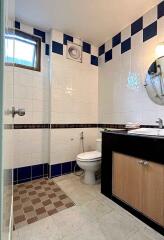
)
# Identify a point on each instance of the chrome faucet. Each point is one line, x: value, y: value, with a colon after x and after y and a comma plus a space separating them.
x: 160, y: 123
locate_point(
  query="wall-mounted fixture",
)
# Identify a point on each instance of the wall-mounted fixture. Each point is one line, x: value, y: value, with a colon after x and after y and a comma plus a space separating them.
x: 74, y: 52
x: 160, y: 50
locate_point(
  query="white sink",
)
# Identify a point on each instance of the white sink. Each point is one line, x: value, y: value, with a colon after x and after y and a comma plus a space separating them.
x: 148, y: 131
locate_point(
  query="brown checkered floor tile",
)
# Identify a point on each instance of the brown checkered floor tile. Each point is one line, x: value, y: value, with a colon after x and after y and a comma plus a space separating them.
x: 38, y: 199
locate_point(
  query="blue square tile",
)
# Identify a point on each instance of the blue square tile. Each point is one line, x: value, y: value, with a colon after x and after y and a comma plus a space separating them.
x: 57, y: 48
x: 40, y: 34
x: 46, y: 169
x: 126, y: 45
x: 160, y: 9
x: 56, y: 170
x: 101, y: 49
x: 116, y: 40
x: 47, y: 49
x: 17, y: 24
x: 150, y: 31
x: 37, y: 170
x: 137, y: 26
x: 108, y: 55
x: 24, y: 180
x: 86, y: 47
x: 67, y: 38
x: 94, y: 60
x: 75, y: 167
x: 24, y: 173
x: 15, y: 174
x: 66, y: 167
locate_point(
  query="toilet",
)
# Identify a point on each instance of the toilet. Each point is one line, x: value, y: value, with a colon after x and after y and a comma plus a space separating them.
x: 90, y: 162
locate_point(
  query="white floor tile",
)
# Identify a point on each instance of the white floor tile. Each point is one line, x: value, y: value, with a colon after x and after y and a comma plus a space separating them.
x: 15, y: 235
x: 44, y: 229
x: 94, y: 217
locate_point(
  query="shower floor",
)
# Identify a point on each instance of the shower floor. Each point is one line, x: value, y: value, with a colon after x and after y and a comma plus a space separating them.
x: 36, y: 200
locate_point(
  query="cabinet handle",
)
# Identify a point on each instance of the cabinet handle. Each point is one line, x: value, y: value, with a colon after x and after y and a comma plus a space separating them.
x: 141, y: 162
x: 145, y: 163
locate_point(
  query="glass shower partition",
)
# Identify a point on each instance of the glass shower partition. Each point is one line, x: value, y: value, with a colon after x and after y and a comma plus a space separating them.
x: 7, y: 19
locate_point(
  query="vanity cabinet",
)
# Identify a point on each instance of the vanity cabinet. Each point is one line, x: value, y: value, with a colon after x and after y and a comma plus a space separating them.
x: 140, y: 184
x: 132, y: 175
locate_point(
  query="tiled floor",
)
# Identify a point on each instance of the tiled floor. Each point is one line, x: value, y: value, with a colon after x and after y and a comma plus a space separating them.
x: 38, y: 199
x: 94, y: 217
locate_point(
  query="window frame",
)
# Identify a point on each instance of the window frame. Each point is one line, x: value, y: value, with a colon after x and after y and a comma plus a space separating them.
x: 38, y: 51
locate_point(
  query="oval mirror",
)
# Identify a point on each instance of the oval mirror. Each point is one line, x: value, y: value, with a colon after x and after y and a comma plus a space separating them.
x: 154, y: 81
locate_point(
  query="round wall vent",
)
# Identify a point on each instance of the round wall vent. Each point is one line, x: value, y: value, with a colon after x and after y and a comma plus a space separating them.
x: 74, y: 52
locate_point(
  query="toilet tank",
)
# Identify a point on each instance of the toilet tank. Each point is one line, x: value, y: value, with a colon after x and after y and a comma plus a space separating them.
x: 98, y: 144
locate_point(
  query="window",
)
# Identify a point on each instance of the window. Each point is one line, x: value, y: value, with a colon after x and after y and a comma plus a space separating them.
x: 27, y: 50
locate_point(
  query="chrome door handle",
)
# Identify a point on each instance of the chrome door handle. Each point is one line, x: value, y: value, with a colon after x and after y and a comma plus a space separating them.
x: 141, y: 162
x: 20, y: 112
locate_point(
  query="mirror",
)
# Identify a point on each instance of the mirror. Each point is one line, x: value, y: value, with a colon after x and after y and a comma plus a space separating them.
x: 154, y: 82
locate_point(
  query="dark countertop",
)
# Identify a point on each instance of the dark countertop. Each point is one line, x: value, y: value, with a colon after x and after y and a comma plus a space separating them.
x: 146, y: 147
x: 125, y: 132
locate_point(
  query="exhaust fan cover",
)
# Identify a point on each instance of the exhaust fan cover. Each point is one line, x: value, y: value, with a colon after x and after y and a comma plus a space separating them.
x: 74, y: 52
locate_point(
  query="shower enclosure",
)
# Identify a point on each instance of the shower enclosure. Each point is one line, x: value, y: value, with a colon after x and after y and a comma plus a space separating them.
x: 7, y: 18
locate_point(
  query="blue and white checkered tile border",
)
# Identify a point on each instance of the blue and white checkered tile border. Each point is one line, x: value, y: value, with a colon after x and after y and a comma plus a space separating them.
x: 149, y: 30
x: 34, y: 31
x: 58, y: 48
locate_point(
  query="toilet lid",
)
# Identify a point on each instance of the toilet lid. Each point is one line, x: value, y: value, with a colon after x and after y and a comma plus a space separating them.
x: 89, y: 156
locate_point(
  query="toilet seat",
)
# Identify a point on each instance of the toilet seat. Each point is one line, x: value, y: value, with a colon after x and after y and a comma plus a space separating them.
x: 89, y: 156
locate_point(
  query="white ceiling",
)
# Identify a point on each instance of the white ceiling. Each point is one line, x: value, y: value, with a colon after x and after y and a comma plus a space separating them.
x: 94, y: 21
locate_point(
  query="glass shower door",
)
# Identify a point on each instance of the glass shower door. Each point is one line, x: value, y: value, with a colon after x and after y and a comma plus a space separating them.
x: 7, y: 19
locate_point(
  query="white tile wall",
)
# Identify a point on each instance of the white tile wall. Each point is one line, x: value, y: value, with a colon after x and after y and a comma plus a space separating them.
x: 108, y: 45
x: 77, y: 96
x: 126, y: 33
x: 150, y: 17
x: 74, y: 99
x: 118, y: 102
x: 31, y: 146
x: 66, y: 143
x: 74, y: 88
x: 31, y: 92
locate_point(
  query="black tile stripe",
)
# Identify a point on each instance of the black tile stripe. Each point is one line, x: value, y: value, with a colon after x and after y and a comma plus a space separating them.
x: 31, y: 126
x: 75, y: 125
x: 70, y: 125
x: 108, y: 125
